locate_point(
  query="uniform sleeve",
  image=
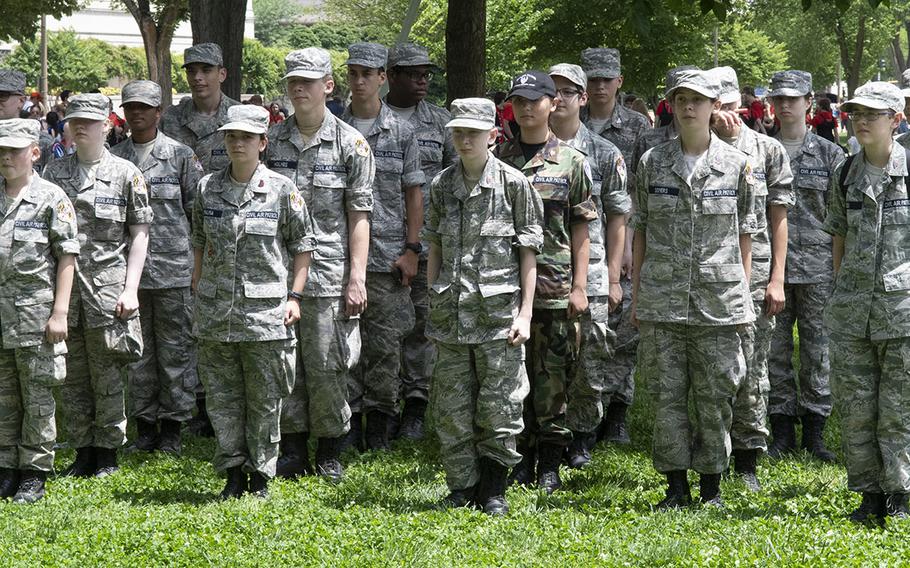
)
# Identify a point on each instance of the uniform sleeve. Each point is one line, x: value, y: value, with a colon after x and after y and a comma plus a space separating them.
x: 138, y: 210
x: 196, y: 223
x: 836, y: 217
x: 582, y: 208
x: 778, y: 176
x: 613, y: 192
x: 448, y: 149
x: 527, y: 215
x: 358, y: 194
x: 434, y: 212
x: 299, y: 236
x: 190, y: 173
x: 411, y: 173
x: 745, y: 202
x: 639, y: 219
x: 62, y: 229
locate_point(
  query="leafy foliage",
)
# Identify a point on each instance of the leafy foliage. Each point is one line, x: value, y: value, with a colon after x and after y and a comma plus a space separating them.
x: 754, y: 56
x: 21, y: 18
x: 263, y: 68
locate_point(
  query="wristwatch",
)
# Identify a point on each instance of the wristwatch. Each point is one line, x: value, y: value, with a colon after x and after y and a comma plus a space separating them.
x: 416, y: 247
x: 296, y: 295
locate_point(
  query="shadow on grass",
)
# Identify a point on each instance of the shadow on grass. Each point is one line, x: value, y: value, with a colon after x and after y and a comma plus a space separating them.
x: 166, y: 497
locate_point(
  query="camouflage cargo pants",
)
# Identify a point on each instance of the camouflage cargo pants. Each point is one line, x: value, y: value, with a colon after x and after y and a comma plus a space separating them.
x: 245, y: 382
x: 701, y: 364
x: 750, y: 410
x: 162, y: 384
x: 584, y: 409
x: 417, y: 352
x: 805, y: 304
x: 27, y: 426
x: 619, y: 381
x: 477, y: 406
x: 375, y: 383
x: 870, y: 381
x: 327, y: 350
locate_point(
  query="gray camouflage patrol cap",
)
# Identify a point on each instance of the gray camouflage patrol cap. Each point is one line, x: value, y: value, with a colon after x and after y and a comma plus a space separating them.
x: 207, y: 53
x: 370, y: 55
x: 19, y: 132
x: 571, y: 72
x: 409, y: 55
x: 727, y: 83
x: 476, y: 113
x: 905, y: 83
x: 673, y: 75
x: 790, y: 83
x: 877, y: 95
x: 601, y: 62
x: 702, y: 82
x: 90, y: 106
x: 248, y: 118
x: 145, y: 92
x: 12, y: 81
x: 309, y: 63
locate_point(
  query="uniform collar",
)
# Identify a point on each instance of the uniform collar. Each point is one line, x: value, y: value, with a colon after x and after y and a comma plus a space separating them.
x: 189, y: 109
x: 713, y: 159
x: 487, y: 180
x: 583, y: 140
x: 896, y: 167
x: 287, y: 130
x: 383, y: 120
x: 257, y: 184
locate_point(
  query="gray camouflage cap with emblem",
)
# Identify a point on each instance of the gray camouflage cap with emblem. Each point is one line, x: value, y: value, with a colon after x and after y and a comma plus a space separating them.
x: 141, y: 91
x: 571, y: 72
x: 12, y: 81
x: 247, y: 118
x: 792, y: 83
x: 601, y: 62
x: 876, y: 95
x: 207, y: 53
x: 409, y: 55
x: 309, y: 63
x: 19, y: 132
x: 702, y: 82
x: 476, y: 113
x: 372, y: 55
x: 728, y: 84
x: 673, y: 75
x: 90, y: 106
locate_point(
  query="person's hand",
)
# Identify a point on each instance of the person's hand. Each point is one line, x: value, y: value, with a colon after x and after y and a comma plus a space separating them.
x: 725, y: 121
x: 774, y: 298
x: 520, y: 330
x: 355, y: 297
x: 407, y: 264
x: 578, y: 302
x: 292, y: 312
x: 615, y: 297
x: 126, y: 304
x: 56, y: 329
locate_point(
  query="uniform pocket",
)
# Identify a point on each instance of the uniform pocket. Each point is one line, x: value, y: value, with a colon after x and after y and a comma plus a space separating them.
x: 265, y: 303
x: 47, y: 364
x: 33, y: 311
x: 898, y: 279
x: 722, y: 206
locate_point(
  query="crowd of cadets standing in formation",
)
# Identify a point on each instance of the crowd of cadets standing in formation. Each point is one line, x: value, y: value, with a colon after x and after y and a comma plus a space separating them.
x: 308, y: 280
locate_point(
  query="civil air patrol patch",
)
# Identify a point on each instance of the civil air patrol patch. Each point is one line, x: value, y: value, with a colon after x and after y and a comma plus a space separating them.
x: 296, y: 201
x: 621, y: 166
x: 139, y: 184
x: 750, y: 177
x: 197, y: 164
x: 65, y: 211
x: 362, y: 147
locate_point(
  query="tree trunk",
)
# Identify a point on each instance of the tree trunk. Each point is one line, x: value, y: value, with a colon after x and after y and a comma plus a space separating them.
x: 851, y: 64
x: 157, y: 37
x: 222, y: 22
x: 466, y: 49
x: 409, y: 19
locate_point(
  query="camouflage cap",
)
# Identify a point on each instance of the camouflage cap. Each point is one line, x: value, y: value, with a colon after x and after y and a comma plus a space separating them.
x: 90, y: 106
x: 877, y: 95
x: 145, y: 92
x: 571, y: 72
x: 905, y: 83
x: 12, y: 81
x: 248, y: 118
x: 409, y: 55
x: 673, y: 75
x: 309, y: 63
x: 702, y: 82
x: 207, y: 53
x: 601, y: 62
x: 727, y: 83
x: 367, y: 54
x: 19, y: 132
x: 476, y: 113
x: 790, y: 83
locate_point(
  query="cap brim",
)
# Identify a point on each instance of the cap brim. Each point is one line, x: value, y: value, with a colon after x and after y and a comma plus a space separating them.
x: 470, y: 123
x: 142, y: 100
x: 16, y: 142
x: 414, y: 63
x: 363, y: 63
x: 86, y: 115
x: 306, y: 74
x: 601, y: 74
x: 866, y: 102
x: 569, y: 78
x: 701, y: 90
x: 731, y: 97
x: 204, y: 62
x: 244, y: 127
x: 530, y: 94
x: 787, y: 93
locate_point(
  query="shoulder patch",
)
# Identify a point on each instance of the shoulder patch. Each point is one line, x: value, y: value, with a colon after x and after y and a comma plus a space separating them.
x: 197, y: 164
x: 362, y: 147
x: 65, y: 211
x: 296, y: 200
x: 139, y: 183
x: 620, y: 165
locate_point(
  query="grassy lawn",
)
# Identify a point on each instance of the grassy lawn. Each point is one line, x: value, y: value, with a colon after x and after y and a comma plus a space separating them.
x: 162, y: 511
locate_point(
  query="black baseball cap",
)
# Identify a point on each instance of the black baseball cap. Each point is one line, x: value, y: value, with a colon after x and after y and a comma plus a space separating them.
x: 532, y: 85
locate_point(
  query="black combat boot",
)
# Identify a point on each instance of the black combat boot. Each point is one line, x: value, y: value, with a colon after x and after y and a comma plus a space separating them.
x: 169, y: 439
x: 295, y: 455
x: 459, y: 498
x: 813, y: 438
x: 525, y: 472
x: 744, y: 464
x: 105, y: 462
x: 9, y: 482
x: 354, y: 437
x: 615, y: 431
x: 83, y: 466
x: 31, y: 488
x: 896, y: 506
x: 578, y: 454
x: 872, y: 508
x: 200, y: 425
x: 236, y: 483
x: 328, y: 459
x: 258, y: 485
x: 491, y: 492
x: 783, y: 435
x: 678, y: 494
x: 709, y: 489
x: 549, y: 456
x: 146, y: 435
x: 411, y: 427
x: 377, y: 431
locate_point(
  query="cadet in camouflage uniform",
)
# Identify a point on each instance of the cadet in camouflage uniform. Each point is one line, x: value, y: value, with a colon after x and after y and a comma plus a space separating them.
x: 868, y: 313
x: 607, y: 235
x: 332, y: 167
x: 38, y: 235
x: 162, y: 383
x: 693, y: 220
x: 773, y: 195
x: 651, y: 138
x: 904, y: 139
x: 608, y: 117
x: 562, y: 177
x: 483, y: 225
x: 12, y: 97
x: 395, y: 225
x: 808, y: 279
x: 113, y: 214
x: 410, y: 71
x: 249, y: 225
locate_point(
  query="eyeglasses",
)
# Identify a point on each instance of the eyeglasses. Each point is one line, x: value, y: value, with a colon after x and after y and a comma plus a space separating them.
x: 567, y: 94
x: 868, y: 116
x: 417, y: 75
x: 4, y: 96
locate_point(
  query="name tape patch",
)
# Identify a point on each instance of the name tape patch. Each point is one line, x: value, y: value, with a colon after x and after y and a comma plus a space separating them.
x: 891, y: 204
x: 209, y: 212
x: 29, y: 224
x: 551, y: 180
x: 330, y: 169
x: 160, y: 180
x: 813, y: 172
x: 717, y: 193
x: 662, y: 190
x: 287, y: 164
x: 118, y: 201
x: 262, y: 215
x: 389, y: 154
